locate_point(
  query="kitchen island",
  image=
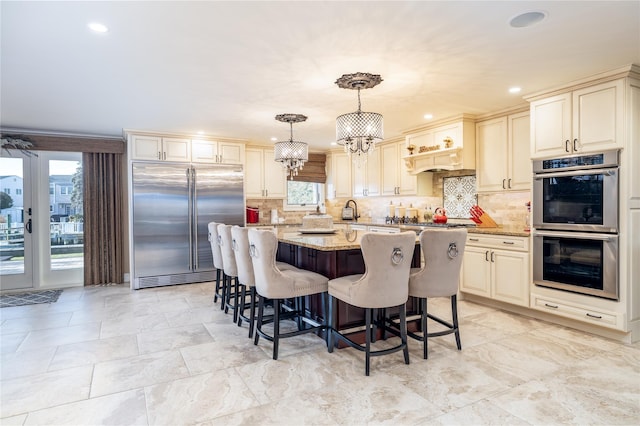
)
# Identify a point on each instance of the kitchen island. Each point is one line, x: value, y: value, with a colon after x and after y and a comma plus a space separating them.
x: 333, y: 255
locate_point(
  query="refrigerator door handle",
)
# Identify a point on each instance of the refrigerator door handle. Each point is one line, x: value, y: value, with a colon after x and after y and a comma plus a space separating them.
x: 190, y: 215
x: 194, y: 228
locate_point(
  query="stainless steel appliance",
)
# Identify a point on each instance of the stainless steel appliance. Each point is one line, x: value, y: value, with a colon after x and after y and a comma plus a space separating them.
x: 577, y: 193
x: 576, y: 261
x: 575, y: 216
x: 172, y: 206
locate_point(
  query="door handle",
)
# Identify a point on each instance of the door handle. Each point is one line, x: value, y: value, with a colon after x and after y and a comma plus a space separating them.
x: 503, y: 182
x: 566, y: 145
x: 27, y: 226
x: 509, y: 183
x: 493, y: 257
x: 486, y: 255
x: 575, y: 144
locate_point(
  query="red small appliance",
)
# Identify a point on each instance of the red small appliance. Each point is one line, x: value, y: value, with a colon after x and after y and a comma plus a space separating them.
x: 253, y: 215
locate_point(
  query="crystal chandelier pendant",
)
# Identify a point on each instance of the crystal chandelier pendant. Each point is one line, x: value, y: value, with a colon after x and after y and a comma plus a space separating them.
x: 358, y: 131
x: 291, y: 154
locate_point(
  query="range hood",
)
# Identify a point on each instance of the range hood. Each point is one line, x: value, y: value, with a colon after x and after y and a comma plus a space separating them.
x: 448, y: 146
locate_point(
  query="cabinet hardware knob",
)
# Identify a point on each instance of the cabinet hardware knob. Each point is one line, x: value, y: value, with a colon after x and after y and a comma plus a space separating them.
x: 503, y: 181
x: 508, y: 242
x: 486, y: 255
x: 509, y: 183
x: 594, y: 316
x: 551, y: 306
x: 575, y: 144
x: 473, y: 239
x: 566, y: 145
x: 159, y: 155
x: 493, y: 259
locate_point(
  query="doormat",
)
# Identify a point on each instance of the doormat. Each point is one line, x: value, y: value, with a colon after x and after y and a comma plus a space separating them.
x: 31, y: 298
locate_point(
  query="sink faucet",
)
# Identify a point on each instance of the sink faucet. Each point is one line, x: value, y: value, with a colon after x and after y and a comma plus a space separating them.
x: 355, y: 209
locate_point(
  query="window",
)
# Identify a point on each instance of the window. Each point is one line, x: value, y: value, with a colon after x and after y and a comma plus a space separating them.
x: 51, y: 190
x: 7, y: 191
x: 18, y: 191
x: 304, y: 195
x: 65, y: 190
x: 50, y: 208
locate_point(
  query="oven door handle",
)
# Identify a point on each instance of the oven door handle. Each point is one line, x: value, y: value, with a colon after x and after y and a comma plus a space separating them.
x: 608, y: 172
x: 578, y: 235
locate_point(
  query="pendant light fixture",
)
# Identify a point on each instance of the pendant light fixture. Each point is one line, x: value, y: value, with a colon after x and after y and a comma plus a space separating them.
x: 358, y: 131
x: 292, y: 154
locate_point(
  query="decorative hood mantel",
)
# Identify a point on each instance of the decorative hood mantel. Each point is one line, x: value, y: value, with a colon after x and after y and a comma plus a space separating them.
x: 449, y: 146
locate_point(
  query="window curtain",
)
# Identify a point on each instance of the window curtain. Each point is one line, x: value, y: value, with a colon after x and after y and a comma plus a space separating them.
x: 103, y: 221
x: 313, y: 170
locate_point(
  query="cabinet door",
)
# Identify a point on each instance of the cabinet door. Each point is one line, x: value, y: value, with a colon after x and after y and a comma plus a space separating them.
x: 389, y: 161
x: 341, y: 175
x: 492, y: 155
x: 146, y: 148
x: 175, y: 149
x: 510, y: 271
x: 275, y: 184
x: 373, y: 173
x: 231, y: 153
x: 598, y: 117
x: 253, y: 187
x: 551, y: 126
x: 359, y: 175
x: 476, y: 276
x: 204, y: 151
x: 520, y: 170
x: 407, y: 183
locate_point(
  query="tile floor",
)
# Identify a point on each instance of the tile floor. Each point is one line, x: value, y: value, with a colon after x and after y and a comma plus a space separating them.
x: 168, y: 356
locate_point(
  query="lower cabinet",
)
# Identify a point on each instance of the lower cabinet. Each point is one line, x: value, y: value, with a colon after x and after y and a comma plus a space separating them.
x: 578, y: 312
x: 495, y: 272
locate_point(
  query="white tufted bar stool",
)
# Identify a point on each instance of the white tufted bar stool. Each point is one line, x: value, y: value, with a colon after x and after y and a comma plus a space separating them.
x: 246, y: 278
x: 214, y: 241
x: 443, y: 250
x: 384, y: 284
x: 230, y: 270
x: 278, y: 285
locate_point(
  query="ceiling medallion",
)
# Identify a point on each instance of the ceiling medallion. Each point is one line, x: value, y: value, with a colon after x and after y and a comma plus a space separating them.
x: 292, y: 154
x: 358, y: 131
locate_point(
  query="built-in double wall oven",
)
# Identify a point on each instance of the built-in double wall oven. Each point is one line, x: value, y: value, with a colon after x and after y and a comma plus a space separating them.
x: 575, y: 216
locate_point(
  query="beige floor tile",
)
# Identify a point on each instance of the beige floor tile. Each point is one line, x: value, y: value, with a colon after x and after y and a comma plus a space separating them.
x: 479, y: 413
x: 204, y: 315
x: 25, y: 363
x: 136, y: 372
x: 198, y: 398
x: 24, y: 311
x: 14, y: 420
x: 60, y: 336
x: 124, y: 408
x: 173, y: 338
x: 10, y: 342
x: 132, y: 325
x: 221, y: 355
x: 93, y: 352
x: 39, y: 322
x: 507, y: 323
x: 565, y: 334
x: 32, y: 393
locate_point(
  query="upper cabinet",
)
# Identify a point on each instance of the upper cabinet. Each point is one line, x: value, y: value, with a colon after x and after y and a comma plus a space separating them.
x: 209, y: 151
x: 338, y: 175
x: 445, y: 146
x: 155, y: 147
x: 588, y: 119
x: 366, y: 178
x: 396, y: 179
x: 502, y: 153
x: 264, y: 177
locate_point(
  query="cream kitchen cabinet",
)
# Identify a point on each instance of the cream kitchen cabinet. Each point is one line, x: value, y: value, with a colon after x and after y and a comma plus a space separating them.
x: 208, y: 151
x: 503, y: 153
x: 157, y: 148
x: 497, y: 267
x: 588, y: 119
x: 366, y: 178
x: 396, y: 179
x: 338, y: 175
x: 264, y: 177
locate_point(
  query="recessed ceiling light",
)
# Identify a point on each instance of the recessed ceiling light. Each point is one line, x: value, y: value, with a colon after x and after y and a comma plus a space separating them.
x: 98, y: 27
x: 334, y: 143
x: 200, y: 132
x: 428, y: 116
x: 514, y: 90
x: 527, y: 19
x: 273, y: 138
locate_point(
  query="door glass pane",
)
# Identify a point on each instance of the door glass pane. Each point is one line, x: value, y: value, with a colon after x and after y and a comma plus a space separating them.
x: 11, y: 216
x: 66, y: 214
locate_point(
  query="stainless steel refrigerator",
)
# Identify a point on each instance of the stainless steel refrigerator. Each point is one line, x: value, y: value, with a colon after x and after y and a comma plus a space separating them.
x: 172, y: 205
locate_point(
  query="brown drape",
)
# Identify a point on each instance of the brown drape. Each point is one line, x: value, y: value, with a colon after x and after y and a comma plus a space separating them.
x: 103, y: 221
x: 313, y: 170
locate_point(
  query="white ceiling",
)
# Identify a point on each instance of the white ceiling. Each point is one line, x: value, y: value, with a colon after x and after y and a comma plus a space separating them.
x: 227, y: 68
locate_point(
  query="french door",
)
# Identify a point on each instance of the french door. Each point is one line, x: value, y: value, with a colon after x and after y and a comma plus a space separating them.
x: 41, y: 226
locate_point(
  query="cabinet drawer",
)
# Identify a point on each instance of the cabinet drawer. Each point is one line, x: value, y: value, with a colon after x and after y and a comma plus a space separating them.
x: 576, y: 312
x: 498, y: 241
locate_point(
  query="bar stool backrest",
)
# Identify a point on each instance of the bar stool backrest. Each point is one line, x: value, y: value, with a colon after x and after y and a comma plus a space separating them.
x: 214, y: 240
x: 228, y: 258
x: 240, y: 244
x: 443, y: 250
x: 387, y: 259
x: 269, y: 280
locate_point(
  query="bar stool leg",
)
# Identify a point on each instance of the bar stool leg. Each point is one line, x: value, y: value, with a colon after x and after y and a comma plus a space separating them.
x: 332, y: 308
x: 423, y: 326
x: 241, y: 306
x: 403, y: 332
x: 217, y: 291
x: 252, y: 313
x: 259, y: 321
x: 454, y: 313
x: 367, y: 332
x: 276, y: 326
